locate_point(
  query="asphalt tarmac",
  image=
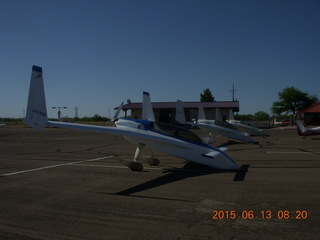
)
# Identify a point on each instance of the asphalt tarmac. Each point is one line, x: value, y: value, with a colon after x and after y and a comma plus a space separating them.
x: 69, y: 184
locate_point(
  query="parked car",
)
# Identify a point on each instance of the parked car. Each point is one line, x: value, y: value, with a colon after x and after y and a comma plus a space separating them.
x: 282, y: 122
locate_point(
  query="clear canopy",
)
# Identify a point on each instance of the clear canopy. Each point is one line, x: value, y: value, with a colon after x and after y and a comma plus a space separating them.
x: 175, y: 131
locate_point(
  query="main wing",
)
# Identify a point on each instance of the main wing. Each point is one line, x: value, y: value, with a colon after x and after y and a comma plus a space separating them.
x: 122, y: 131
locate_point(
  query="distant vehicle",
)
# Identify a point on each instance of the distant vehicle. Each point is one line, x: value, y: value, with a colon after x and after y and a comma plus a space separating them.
x: 283, y: 122
x: 165, y: 138
x: 305, y: 132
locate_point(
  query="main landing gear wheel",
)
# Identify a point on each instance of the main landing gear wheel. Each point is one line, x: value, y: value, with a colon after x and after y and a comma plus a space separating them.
x: 153, y: 161
x: 135, y: 166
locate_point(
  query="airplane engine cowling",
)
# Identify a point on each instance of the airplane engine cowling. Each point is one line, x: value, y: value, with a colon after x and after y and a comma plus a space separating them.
x: 129, y: 123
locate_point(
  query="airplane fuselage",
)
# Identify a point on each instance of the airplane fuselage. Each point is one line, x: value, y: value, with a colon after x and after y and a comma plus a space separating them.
x: 194, y: 151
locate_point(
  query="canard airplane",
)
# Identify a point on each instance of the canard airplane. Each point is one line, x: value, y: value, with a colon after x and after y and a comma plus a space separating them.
x: 241, y: 126
x: 165, y: 138
x: 305, y: 132
x: 213, y: 127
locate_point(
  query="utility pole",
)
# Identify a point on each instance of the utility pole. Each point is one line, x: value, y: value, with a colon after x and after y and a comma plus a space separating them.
x: 233, y: 91
x: 76, y: 112
x: 59, y: 112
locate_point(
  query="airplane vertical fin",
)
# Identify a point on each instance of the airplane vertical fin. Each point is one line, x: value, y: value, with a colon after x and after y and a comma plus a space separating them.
x: 201, y: 114
x: 218, y: 115
x: 180, y: 116
x: 147, y: 111
x: 301, y: 128
x: 231, y: 116
x: 36, y: 116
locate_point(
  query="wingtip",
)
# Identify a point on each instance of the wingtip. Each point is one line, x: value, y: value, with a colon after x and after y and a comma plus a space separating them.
x: 36, y: 69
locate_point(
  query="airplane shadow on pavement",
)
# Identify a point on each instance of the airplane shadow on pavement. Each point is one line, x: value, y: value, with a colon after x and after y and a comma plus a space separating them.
x: 190, y: 170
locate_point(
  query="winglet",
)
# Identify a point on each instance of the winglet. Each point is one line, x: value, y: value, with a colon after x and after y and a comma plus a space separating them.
x: 147, y: 111
x: 301, y: 128
x: 231, y: 116
x: 116, y: 115
x: 201, y: 114
x: 180, y: 117
x: 218, y: 115
x: 36, y: 116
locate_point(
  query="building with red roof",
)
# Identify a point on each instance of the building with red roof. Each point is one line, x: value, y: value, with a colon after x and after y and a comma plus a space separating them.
x: 165, y: 111
x: 311, y: 114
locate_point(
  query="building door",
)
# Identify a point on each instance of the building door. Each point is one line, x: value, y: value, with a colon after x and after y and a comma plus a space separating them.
x: 165, y: 115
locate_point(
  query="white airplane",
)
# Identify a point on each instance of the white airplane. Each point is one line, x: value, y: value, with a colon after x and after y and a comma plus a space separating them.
x: 116, y: 115
x: 165, y: 138
x: 305, y: 132
x: 213, y: 127
x: 241, y: 126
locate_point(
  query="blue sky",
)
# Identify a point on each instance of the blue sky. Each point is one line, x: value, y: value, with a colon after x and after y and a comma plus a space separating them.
x: 97, y: 53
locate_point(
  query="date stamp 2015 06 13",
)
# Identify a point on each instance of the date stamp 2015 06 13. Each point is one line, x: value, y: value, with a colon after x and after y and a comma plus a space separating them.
x: 265, y: 214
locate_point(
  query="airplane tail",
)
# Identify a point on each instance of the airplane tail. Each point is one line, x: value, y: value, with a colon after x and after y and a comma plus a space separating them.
x: 201, y: 114
x: 36, y: 116
x: 180, y: 117
x: 231, y: 116
x: 218, y: 115
x: 300, y: 127
x: 147, y: 111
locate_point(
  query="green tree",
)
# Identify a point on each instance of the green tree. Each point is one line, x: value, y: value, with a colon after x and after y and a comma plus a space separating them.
x: 244, y: 117
x: 292, y: 100
x: 261, y: 116
x: 206, y: 96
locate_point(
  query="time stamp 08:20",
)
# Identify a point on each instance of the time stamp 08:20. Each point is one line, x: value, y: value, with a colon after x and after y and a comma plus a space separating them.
x: 267, y: 214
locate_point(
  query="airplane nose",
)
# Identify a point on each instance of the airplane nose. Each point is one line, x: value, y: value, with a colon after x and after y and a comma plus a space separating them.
x: 229, y: 164
x: 234, y: 166
x: 219, y: 160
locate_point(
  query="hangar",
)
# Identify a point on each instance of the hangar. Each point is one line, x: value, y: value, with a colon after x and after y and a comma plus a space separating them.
x: 311, y: 115
x: 165, y: 111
